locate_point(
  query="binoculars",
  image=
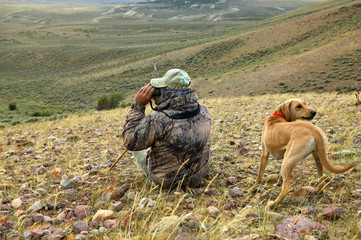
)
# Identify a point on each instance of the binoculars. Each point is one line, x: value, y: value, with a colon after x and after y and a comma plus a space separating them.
x: 156, y: 92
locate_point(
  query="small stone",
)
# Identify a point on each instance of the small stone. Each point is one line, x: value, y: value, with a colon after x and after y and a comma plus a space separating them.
x: 131, y: 196
x: 231, y: 180
x: 309, y: 237
x: 294, y: 227
x: 16, y: 203
x: 332, y: 212
x: 18, y: 213
x: 102, y: 229
x: 80, y: 237
x: 38, y: 217
x: 243, y: 151
x: 184, y: 236
x: 306, y: 209
x: 70, y: 215
x: 82, y: 211
x: 93, y: 224
x: 66, y: 183
x: 40, y: 170
x: 213, y: 211
x: 27, y: 235
x: 109, y: 223
x: 57, y: 234
x: 168, y: 223
x: 37, y: 233
x: 211, y: 202
x: 80, y: 226
x: 103, y: 215
x: 61, y: 216
x: 35, y: 207
x: 118, y: 206
x: 235, y: 192
x: 209, y: 191
x: 250, y: 237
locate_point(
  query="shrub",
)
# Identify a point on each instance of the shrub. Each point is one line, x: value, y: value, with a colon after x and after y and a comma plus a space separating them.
x: 111, y: 102
x: 12, y: 106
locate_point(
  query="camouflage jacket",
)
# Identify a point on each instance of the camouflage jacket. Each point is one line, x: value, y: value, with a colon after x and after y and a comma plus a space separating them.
x: 180, y: 148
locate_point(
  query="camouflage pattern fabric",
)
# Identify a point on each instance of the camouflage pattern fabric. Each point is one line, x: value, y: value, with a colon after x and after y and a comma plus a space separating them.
x: 179, y: 148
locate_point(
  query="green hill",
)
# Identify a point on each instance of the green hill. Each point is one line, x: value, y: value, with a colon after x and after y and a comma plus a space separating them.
x: 52, y: 69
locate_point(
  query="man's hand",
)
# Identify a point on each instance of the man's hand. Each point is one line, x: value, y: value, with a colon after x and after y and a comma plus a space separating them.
x: 144, y: 95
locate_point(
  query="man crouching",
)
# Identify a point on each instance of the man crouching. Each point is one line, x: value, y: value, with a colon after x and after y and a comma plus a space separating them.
x: 172, y: 144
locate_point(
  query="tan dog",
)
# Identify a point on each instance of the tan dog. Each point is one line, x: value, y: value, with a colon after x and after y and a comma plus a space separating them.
x: 358, y: 99
x: 293, y: 141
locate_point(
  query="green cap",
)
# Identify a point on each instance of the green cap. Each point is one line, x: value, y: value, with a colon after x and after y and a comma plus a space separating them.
x: 174, y: 78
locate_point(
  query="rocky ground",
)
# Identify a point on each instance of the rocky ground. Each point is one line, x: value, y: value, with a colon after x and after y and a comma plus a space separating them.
x: 56, y: 182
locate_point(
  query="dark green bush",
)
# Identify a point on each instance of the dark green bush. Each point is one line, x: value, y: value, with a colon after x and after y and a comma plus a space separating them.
x: 111, y: 102
x: 12, y: 106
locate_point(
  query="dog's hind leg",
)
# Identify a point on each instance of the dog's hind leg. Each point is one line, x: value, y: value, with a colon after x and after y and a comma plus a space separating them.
x: 263, y: 164
x: 295, y: 152
x: 318, y: 164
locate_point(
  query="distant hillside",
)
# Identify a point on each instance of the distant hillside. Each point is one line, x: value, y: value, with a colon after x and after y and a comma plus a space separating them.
x: 58, y: 66
x: 246, y: 10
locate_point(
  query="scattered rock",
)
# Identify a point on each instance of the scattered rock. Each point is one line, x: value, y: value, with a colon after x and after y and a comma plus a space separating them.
x: 93, y: 224
x: 235, y: 192
x: 27, y: 235
x: 61, y: 216
x: 184, y: 236
x: 250, y: 237
x: 170, y: 223
x: 38, y: 217
x: 332, y: 212
x: 109, y: 223
x: 120, y: 192
x: 66, y: 183
x: 40, y: 170
x: 210, y: 202
x: 297, y: 226
x: 306, y: 209
x: 80, y: 226
x: 131, y: 196
x: 57, y: 234
x: 35, y: 207
x: 231, y: 180
x: 343, y: 153
x: 37, y: 233
x: 103, y: 215
x: 16, y: 203
x: 213, y: 211
x: 82, y: 211
x: 118, y: 206
x: 243, y: 151
x: 209, y: 191
x: 304, y: 191
x: 356, y: 193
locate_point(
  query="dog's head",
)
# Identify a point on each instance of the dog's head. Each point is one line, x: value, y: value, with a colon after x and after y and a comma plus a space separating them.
x: 294, y: 109
x: 358, y: 99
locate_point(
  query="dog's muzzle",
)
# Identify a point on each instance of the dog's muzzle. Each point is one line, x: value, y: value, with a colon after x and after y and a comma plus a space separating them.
x: 313, y: 113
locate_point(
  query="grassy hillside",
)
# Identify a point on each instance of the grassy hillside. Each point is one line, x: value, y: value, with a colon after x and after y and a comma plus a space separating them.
x: 36, y: 157
x: 55, y: 69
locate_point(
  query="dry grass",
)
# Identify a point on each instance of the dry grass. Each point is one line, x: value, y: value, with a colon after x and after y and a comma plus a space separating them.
x: 72, y: 143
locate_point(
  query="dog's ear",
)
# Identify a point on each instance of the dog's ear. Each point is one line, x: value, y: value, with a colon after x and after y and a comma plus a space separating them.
x: 284, y: 109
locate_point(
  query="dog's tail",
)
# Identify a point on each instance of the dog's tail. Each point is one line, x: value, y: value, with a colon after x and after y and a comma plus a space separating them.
x: 321, y: 150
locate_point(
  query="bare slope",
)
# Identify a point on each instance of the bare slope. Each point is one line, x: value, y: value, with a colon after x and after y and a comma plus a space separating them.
x: 66, y: 163
x: 56, y: 69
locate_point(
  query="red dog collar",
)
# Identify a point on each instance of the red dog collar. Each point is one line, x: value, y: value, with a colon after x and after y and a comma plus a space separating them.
x: 279, y: 115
